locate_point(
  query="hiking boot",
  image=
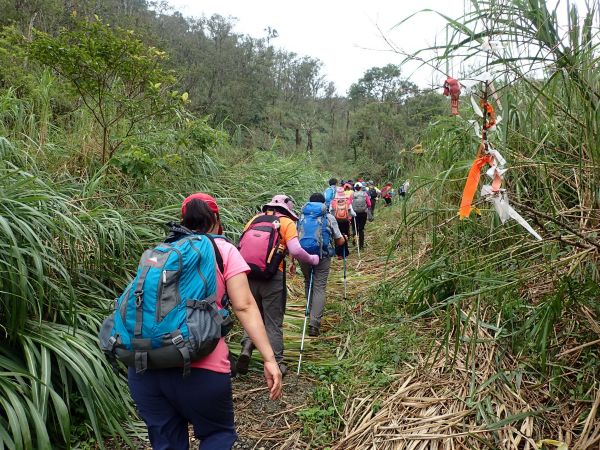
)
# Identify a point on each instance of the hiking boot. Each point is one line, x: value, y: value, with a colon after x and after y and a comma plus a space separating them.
x: 283, y: 369
x: 313, y: 331
x: 243, y: 361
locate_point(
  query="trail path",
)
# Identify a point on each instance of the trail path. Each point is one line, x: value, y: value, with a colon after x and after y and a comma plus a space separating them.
x: 441, y: 394
x: 437, y: 394
x: 265, y: 424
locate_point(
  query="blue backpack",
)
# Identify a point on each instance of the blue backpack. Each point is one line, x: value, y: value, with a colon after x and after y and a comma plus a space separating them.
x: 329, y: 194
x: 168, y: 315
x: 313, y: 230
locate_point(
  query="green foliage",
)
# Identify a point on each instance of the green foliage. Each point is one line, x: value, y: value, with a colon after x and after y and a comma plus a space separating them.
x: 69, y: 246
x: 382, y: 84
x: 533, y: 289
x: 119, y: 79
x: 321, y: 420
x: 13, y: 66
x: 199, y: 135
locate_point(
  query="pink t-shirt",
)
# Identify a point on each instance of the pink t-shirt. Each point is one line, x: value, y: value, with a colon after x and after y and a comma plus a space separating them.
x: 234, y: 264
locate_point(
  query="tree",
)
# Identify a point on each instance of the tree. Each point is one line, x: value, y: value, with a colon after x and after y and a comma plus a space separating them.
x: 383, y: 84
x: 120, y: 80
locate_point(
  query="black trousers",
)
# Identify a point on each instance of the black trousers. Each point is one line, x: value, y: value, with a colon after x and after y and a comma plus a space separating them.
x: 344, y: 229
x: 373, y: 203
x: 361, y: 221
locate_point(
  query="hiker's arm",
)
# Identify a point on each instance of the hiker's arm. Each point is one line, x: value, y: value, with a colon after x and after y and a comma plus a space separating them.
x: 247, y: 312
x: 300, y: 254
x: 368, y: 198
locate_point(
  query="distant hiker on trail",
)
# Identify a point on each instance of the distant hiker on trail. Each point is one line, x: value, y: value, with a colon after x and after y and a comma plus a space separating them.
x: 264, y: 244
x: 166, y: 400
x: 386, y: 193
x: 373, y: 194
x: 319, y: 234
x: 330, y: 192
x: 342, y: 210
x: 348, y: 191
x: 403, y: 189
x: 361, y: 202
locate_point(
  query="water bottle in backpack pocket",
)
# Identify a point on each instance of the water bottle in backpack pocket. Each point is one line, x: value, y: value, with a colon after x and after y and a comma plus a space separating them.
x: 168, y: 315
x: 314, y: 233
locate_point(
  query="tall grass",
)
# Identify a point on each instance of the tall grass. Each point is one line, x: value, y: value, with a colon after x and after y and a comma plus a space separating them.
x: 70, y: 236
x: 549, y: 85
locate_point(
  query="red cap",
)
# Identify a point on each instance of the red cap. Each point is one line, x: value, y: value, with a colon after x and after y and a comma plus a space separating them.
x: 210, y: 201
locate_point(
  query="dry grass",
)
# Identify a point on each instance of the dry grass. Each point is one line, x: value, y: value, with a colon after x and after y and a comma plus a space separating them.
x: 462, y: 401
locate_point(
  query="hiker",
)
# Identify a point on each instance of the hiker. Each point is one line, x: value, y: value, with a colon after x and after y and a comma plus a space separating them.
x: 361, y: 202
x: 329, y: 193
x: 348, y: 191
x: 318, y: 237
x: 386, y: 194
x: 374, y: 192
x: 167, y: 401
x: 266, y: 240
x: 342, y: 210
x: 403, y: 189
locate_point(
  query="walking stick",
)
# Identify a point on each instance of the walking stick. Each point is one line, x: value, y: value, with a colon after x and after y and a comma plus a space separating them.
x: 306, y: 313
x: 345, y: 271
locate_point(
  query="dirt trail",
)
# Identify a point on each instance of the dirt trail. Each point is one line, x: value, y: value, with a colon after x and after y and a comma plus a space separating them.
x: 263, y: 424
x: 473, y: 394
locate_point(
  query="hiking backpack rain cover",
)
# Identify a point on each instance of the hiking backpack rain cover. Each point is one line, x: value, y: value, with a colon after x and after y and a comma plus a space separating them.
x: 359, y: 201
x: 341, y: 209
x: 313, y: 230
x: 260, y: 247
x: 168, y: 315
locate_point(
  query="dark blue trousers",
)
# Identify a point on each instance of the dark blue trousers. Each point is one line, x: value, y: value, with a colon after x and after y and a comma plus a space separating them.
x: 168, y: 402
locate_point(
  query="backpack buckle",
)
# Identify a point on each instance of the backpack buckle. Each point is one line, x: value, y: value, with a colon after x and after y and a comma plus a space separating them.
x: 177, y: 340
x: 138, y: 298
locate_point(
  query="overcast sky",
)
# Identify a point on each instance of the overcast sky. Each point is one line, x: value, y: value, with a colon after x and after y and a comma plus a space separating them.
x: 343, y: 34
x: 346, y: 35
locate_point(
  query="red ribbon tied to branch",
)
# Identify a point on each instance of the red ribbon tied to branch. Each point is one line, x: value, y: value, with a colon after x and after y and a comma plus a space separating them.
x: 452, y: 89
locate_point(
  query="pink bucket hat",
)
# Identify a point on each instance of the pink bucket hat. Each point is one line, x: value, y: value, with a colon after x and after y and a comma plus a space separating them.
x: 282, y: 202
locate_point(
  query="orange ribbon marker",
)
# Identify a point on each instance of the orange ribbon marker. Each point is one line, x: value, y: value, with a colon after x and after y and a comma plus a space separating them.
x: 473, y: 181
x: 489, y: 109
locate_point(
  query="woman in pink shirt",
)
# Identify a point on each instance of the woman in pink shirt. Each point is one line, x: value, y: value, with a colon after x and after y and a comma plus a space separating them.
x: 166, y: 401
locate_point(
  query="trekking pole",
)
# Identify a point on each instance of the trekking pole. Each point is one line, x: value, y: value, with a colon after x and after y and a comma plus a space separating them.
x: 357, y: 238
x: 306, y: 312
x: 345, y: 272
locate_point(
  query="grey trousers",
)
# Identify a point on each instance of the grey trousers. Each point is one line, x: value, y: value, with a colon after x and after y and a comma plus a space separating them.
x: 270, y: 297
x: 319, y: 285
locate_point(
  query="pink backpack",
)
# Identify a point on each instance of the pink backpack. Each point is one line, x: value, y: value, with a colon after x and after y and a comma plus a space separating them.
x: 260, y: 246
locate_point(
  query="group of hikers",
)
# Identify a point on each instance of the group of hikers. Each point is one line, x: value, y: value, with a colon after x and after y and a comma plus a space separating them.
x: 169, y: 324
